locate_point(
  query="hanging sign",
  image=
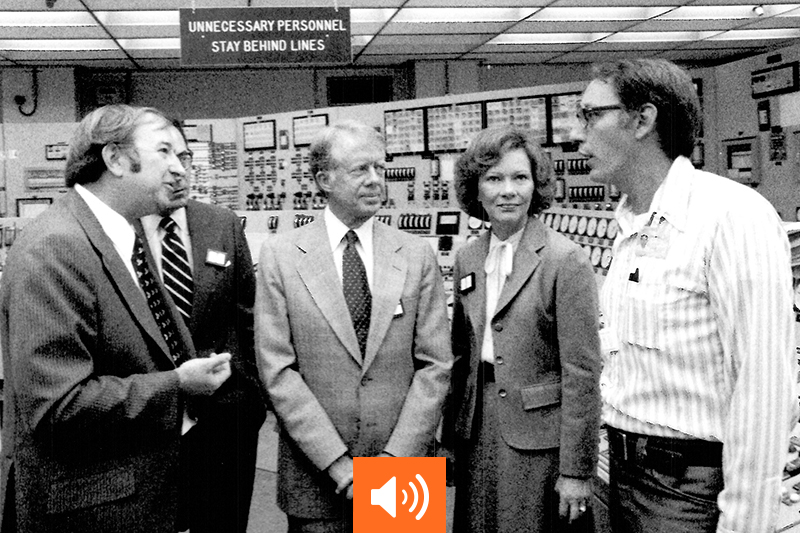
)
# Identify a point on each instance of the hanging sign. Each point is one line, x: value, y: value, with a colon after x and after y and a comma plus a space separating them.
x: 256, y: 35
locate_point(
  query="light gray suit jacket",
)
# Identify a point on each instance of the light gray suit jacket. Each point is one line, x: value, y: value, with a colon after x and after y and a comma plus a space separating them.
x: 327, y: 400
x: 546, y: 347
x: 92, y: 411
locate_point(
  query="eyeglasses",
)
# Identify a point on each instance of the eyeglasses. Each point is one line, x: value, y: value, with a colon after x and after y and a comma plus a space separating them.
x: 587, y: 116
x: 186, y: 159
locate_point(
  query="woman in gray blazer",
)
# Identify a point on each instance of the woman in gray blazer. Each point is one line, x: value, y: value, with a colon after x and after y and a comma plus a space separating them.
x: 524, y: 413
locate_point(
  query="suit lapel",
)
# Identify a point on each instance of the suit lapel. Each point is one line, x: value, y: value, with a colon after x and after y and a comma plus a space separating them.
x: 117, y: 271
x: 389, y: 274
x: 526, y: 259
x: 202, y: 274
x: 474, y: 302
x: 318, y: 272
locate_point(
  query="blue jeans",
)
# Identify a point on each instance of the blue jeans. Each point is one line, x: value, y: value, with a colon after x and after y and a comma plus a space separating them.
x: 644, y: 499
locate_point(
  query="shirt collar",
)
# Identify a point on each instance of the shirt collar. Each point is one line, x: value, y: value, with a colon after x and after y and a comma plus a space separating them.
x: 670, y: 201
x: 114, y: 225
x: 337, y: 229
x: 150, y: 223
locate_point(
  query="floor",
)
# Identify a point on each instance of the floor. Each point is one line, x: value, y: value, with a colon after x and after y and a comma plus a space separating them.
x: 265, y: 517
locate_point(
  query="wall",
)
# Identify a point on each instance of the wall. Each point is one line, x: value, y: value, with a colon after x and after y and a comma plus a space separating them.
x: 231, y: 94
x: 738, y: 119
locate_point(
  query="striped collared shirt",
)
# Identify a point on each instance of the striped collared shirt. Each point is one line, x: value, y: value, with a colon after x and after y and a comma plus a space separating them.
x: 699, y: 296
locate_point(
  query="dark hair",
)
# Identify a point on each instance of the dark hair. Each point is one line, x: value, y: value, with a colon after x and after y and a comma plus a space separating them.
x: 665, y: 85
x: 105, y: 125
x: 485, y: 151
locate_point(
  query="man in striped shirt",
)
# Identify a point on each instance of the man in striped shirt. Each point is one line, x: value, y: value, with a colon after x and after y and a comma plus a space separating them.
x: 699, y: 383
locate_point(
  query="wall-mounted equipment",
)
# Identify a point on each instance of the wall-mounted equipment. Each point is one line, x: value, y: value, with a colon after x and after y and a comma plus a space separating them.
x: 775, y: 80
x: 742, y: 160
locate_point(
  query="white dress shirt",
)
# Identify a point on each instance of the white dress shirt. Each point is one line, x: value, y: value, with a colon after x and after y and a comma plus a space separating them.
x: 498, y: 265
x: 155, y: 236
x: 699, y: 296
x: 336, y: 232
x: 115, y: 226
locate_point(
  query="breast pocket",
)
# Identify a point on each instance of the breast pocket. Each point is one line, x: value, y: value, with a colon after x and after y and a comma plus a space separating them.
x: 658, y: 306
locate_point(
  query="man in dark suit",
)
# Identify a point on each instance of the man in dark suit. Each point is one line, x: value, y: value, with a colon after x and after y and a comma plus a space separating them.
x: 218, y: 303
x: 351, y: 335
x: 100, y: 372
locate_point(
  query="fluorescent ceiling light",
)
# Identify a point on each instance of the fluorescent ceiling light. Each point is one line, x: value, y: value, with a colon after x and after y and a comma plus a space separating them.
x: 169, y: 43
x: 361, y: 40
x: 364, y: 16
x: 45, y: 18
x: 599, y: 13
x: 139, y: 18
x: 756, y: 35
x: 658, y: 37
x: 466, y: 14
x: 546, y: 38
x: 743, y: 11
x: 57, y: 45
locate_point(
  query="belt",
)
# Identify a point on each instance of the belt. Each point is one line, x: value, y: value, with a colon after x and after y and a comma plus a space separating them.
x: 664, y: 454
x: 486, y: 372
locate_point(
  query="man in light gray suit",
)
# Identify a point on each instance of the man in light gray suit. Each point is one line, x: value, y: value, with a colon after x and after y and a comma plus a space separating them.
x: 352, y: 336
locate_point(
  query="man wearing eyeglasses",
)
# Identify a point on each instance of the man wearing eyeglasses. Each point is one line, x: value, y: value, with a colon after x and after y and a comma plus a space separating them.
x: 699, y: 380
x: 100, y: 372
x: 205, y: 264
x: 352, y: 335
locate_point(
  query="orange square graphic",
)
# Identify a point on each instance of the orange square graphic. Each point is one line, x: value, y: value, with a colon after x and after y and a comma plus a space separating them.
x: 399, y: 495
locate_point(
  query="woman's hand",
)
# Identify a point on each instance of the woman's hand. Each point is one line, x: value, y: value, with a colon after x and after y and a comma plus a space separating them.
x: 575, y: 495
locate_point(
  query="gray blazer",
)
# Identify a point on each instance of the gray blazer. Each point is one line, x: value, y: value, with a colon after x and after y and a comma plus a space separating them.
x: 92, y: 411
x: 327, y: 400
x: 546, y: 346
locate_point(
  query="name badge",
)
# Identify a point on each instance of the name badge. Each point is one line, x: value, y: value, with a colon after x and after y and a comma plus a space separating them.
x: 398, y: 311
x: 467, y: 283
x: 216, y: 258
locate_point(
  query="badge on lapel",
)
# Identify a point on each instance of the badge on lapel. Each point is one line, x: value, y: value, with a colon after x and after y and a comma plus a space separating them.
x: 467, y: 283
x: 217, y: 258
x: 398, y: 311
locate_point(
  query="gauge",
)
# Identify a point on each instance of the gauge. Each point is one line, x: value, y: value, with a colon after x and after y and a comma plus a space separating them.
x: 605, y: 260
x: 564, y: 224
x: 573, y: 224
x: 602, y: 225
x: 474, y: 223
x: 582, y: 225
x: 612, y: 229
x: 591, y: 227
x: 597, y: 254
x: 556, y: 221
x: 548, y: 219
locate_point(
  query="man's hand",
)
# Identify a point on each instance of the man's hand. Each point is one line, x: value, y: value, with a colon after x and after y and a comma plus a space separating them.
x: 204, y: 375
x: 341, y: 471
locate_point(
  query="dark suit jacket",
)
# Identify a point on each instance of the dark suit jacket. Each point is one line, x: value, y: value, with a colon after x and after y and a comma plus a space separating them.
x: 327, y: 400
x: 222, y: 447
x: 93, y: 411
x: 546, y: 347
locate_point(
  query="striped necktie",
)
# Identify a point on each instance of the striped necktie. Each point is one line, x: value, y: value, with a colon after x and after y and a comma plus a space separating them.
x: 176, y: 270
x: 356, y: 289
x: 156, y: 302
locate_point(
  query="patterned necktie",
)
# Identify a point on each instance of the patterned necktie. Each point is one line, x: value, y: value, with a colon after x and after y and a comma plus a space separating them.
x: 356, y: 289
x: 156, y: 302
x: 175, y: 266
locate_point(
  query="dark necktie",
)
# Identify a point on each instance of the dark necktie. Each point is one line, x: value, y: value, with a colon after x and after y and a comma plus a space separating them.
x: 356, y: 289
x: 156, y: 302
x: 175, y: 266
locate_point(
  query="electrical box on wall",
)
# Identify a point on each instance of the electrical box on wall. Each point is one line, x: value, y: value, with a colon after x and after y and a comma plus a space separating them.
x: 743, y: 162
x: 775, y: 80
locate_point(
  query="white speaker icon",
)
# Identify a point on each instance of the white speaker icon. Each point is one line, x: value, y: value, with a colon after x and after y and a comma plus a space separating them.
x: 386, y: 497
